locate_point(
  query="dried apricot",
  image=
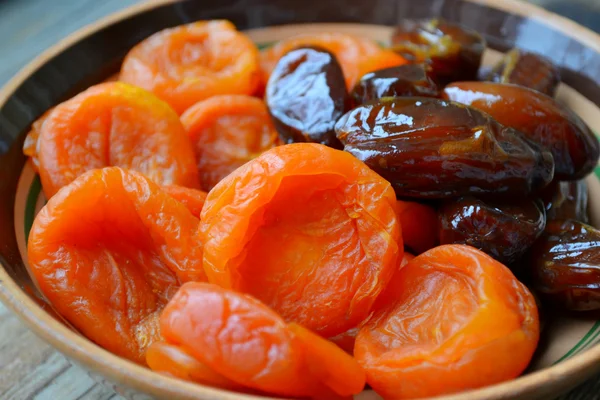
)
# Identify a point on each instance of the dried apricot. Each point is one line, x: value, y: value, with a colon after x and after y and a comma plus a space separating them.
x: 193, y: 62
x: 31, y: 144
x: 243, y: 340
x: 108, y: 251
x: 455, y: 319
x: 309, y: 230
x: 193, y: 199
x: 356, y: 55
x: 114, y: 124
x: 419, y: 225
x: 227, y: 131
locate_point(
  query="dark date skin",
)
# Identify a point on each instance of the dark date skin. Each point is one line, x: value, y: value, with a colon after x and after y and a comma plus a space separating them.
x: 526, y: 69
x: 503, y: 230
x: 453, y: 51
x: 306, y: 94
x: 566, y: 200
x: 405, y: 80
x: 573, y: 145
x: 434, y: 149
x: 565, y: 264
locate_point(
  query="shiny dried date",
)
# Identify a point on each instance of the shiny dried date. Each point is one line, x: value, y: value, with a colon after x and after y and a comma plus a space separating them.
x: 503, y: 230
x: 431, y: 148
x: 566, y: 265
x: 566, y: 200
x: 453, y: 51
x: 573, y: 145
x: 405, y: 80
x: 526, y: 69
x: 306, y: 94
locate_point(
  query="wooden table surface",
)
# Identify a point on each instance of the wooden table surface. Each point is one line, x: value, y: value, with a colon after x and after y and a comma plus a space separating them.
x: 30, y: 368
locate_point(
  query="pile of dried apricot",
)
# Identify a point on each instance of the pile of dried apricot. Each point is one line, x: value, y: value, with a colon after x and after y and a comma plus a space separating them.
x: 356, y: 225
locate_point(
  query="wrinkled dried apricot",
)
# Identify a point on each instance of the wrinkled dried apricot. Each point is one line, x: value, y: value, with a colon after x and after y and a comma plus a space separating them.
x: 114, y: 124
x: 108, y: 251
x: 193, y: 62
x: 356, y: 55
x: 227, y: 131
x: 418, y: 223
x: 193, y: 199
x: 243, y: 340
x: 309, y: 230
x: 456, y: 319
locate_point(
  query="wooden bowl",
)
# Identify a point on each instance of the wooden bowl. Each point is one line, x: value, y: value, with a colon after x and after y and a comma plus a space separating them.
x: 566, y: 357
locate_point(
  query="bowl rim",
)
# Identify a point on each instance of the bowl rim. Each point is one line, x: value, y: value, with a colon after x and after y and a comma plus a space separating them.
x: 86, y: 353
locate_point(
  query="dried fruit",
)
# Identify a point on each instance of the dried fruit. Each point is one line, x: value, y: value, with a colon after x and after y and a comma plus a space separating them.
x: 566, y: 200
x: 309, y: 230
x: 526, y: 69
x: 456, y: 319
x: 108, y: 251
x: 227, y: 131
x: 241, y: 339
x: 114, y: 124
x: 430, y: 148
x: 502, y: 230
x: 193, y: 62
x: 453, y: 51
x: 405, y: 80
x: 306, y: 95
x: 565, y: 264
x: 573, y: 145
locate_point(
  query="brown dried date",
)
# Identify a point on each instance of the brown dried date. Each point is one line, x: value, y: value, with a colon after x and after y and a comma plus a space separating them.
x: 573, y: 145
x: 503, y: 230
x: 526, y: 69
x: 453, y: 51
x: 405, y: 80
x: 306, y: 94
x: 431, y: 148
x: 566, y: 200
x: 566, y: 265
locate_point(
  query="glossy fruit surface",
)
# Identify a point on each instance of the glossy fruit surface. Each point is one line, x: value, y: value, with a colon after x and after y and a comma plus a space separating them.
x: 405, y: 80
x: 430, y: 148
x: 565, y: 264
x: 573, y: 145
x: 306, y: 95
x: 567, y: 200
x: 503, y: 230
x: 526, y: 69
x: 453, y: 51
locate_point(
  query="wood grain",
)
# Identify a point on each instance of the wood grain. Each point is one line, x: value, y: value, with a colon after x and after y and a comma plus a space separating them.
x: 30, y: 368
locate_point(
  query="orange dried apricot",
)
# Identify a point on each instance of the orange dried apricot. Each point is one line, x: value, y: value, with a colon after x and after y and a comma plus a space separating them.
x: 193, y: 199
x: 193, y: 62
x: 455, y: 319
x: 108, y: 251
x: 227, y: 131
x: 114, y: 124
x: 356, y: 55
x: 30, y: 146
x: 309, y: 230
x: 419, y: 225
x: 246, y: 342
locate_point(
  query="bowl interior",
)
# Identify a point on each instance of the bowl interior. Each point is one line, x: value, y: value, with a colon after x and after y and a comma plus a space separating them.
x: 75, y: 66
